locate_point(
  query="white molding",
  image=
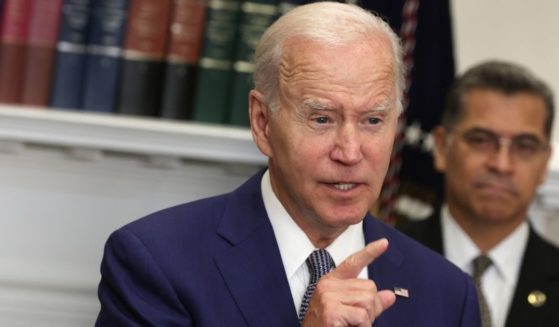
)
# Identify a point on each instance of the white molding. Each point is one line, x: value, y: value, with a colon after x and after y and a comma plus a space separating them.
x: 134, y: 135
x: 28, y: 304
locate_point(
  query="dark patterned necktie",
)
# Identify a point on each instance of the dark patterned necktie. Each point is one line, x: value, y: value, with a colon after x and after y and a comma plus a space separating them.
x: 481, y: 263
x: 320, y: 263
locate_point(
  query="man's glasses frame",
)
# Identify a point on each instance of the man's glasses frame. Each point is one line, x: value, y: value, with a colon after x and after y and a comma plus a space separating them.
x: 522, y: 146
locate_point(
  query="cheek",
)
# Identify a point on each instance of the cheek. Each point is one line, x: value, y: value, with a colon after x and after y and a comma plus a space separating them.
x: 379, y: 153
x: 528, y: 183
x: 464, y: 163
x: 299, y: 154
x: 311, y: 152
x: 460, y: 171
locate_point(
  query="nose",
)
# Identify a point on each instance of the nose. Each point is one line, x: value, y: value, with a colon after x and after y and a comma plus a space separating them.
x: 348, y: 145
x: 502, y: 160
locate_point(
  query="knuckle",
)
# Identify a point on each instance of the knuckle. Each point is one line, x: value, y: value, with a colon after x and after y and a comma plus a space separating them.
x: 350, y: 261
x: 363, y: 315
x: 371, y: 286
x: 323, y: 285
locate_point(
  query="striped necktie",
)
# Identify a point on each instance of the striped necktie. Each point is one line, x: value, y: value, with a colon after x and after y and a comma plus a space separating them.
x: 481, y: 263
x: 320, y: 263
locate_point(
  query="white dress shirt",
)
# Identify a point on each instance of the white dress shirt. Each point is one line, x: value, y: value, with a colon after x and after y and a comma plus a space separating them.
x: 295, y: 246
x: 499, y: 280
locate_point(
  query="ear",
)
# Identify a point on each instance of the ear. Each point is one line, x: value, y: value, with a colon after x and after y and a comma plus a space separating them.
x: 259, y: 121
x: 440, y: 138
x: 545, y: 170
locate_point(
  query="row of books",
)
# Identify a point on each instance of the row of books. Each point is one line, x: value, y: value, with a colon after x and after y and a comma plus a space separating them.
x: 178, y: 59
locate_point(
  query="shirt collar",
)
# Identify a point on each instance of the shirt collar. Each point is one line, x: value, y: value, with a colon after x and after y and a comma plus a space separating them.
x: 293, y: 243
x: 461, y: 250
x: 507, y: 255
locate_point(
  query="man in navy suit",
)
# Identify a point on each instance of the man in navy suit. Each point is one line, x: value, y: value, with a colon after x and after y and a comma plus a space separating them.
x: 493, y: 147
x: 328, y: 87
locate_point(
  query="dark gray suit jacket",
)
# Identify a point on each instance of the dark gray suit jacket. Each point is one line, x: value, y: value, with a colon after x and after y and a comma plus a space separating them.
x: 539, y: 271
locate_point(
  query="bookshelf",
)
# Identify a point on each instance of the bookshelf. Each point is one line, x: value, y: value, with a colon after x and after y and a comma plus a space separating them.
x: 130, y: 135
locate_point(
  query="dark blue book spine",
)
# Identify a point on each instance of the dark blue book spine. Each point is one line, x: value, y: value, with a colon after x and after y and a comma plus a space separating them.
x: 102, y: 71
x: 71, y: 54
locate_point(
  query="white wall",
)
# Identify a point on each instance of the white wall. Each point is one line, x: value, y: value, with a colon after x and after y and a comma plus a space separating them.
x: 56, y: 211
x: 68, y: 180
x: 522, y: 31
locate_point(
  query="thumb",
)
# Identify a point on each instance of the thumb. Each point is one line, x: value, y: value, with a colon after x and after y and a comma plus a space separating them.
x: 387, y: 298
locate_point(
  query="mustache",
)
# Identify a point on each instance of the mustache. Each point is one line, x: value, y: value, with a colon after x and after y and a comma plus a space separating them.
x: 496, y: 180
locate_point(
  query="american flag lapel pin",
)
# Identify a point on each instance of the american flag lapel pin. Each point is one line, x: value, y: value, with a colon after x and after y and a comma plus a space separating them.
x: 401, y: 292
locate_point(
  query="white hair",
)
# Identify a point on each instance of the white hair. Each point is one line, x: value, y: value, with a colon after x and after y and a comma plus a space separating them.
x: 330, y: 23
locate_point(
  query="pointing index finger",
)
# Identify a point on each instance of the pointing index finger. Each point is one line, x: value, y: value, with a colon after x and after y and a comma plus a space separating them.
x: 352, y: 265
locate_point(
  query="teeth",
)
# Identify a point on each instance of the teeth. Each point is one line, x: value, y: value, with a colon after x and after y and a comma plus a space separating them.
x: 344, y: 186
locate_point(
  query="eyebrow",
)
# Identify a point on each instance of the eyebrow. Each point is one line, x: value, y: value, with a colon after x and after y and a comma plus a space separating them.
x: 516, y: 136
x: 315, y: 105
x: 384, y: 105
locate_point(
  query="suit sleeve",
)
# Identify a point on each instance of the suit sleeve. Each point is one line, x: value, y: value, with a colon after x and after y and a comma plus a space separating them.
x: 471, y: 315
x: 134, y: 291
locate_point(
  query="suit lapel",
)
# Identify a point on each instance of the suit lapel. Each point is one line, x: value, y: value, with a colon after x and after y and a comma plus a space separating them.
x: 373, y: 230
x: 385, y: 271
x: 252, y: 267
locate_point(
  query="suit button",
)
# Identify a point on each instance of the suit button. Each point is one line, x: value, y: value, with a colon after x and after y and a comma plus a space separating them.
x: 537, y: 298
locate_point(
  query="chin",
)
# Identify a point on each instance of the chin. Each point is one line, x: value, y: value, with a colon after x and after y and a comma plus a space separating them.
x: 496, y: 214
x: 346, y: 220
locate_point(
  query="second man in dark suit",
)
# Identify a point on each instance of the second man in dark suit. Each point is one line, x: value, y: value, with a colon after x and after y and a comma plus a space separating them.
x: 493, y: 148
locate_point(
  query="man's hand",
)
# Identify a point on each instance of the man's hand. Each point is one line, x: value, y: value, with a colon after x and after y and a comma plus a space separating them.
x: 341, y: 299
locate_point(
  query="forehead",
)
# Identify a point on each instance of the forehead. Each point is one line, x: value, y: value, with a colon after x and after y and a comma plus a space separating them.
x: 305, y: 51
x: 355, y: 69
x: 516, y: 113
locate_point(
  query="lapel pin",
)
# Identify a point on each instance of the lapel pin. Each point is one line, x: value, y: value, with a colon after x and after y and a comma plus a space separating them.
x: 401, y: 292
x: 537, y: 298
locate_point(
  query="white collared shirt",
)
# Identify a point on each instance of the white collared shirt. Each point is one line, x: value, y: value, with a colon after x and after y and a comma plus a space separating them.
x: 499, y: 280
x: 295, y: 246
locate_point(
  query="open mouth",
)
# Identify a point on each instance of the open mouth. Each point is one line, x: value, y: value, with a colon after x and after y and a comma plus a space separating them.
x: 344, y: 186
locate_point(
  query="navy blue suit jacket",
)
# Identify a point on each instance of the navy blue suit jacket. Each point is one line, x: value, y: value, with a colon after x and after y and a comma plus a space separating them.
x: 216, y: 262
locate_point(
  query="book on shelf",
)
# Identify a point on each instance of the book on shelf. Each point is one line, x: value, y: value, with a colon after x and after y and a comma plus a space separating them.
x: 103, y: 58
x: 216, y: 64
x: 185, y: 42
x: 39, y: 57
x: 71, y: 55
x: 256, y: 16
x: 14, y: 30
x: 144, y: 57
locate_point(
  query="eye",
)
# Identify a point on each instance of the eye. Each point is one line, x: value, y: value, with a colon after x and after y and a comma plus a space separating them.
x: 321, y: 120
x: 526, y: 146
x: 479, y: 139
x: 374, y: 120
